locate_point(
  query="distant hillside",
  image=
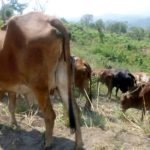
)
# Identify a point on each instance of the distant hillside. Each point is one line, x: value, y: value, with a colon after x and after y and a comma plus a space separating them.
x: 132, y: 20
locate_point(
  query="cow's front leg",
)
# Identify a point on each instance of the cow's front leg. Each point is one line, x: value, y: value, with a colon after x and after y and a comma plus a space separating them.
x: 117, y: 88
x: 11, y: 107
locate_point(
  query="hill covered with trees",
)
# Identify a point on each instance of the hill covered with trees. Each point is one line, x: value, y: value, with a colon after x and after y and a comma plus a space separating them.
x: 114, y: 44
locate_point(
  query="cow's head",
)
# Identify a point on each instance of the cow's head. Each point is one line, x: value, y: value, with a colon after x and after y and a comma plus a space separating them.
x: 125, y: 101
x: 129, y: 99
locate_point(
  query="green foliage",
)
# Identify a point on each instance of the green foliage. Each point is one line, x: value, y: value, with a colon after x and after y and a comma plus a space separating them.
x: 7, y: 10
x: 136, y: 33
x: 80, y: 34
x: 19, y: 7
x: 87, y: 19
x: 117, y: 27
x: 100, y: 24
x: 116, y: 50
x: 92, y: 119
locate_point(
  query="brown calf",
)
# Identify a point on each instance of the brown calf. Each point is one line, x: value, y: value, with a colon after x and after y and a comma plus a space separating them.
x: 138, y: 98
x: 82, y: 78
x: 105, y: 76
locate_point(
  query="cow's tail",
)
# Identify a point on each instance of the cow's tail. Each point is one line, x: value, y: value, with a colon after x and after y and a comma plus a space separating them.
x: 66, y: 54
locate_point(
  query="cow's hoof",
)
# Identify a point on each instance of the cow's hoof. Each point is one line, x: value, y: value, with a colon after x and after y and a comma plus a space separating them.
x: 47, y: 143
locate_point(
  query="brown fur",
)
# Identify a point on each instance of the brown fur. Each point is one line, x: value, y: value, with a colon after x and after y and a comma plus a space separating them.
x: 139, y: 98
x: 83, y: 78
x: 35, y: 52
x: 105, y: 76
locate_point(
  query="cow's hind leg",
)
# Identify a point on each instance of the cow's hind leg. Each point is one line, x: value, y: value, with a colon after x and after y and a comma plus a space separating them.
x: 109, y: 91
x: 11, y: 107
x: 117, y: 88
x: 69, y: 103
x: 48, y: 113
x: 78, y: 136
x: 143, y: 109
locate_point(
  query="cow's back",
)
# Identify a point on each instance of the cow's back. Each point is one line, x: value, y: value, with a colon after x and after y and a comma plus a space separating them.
x: 32, y: 48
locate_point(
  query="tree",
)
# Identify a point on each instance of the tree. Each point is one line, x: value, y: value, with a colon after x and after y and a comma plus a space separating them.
x: 117, y: 27
x: 87, y: 19
x: 19, y: 7
x: 8, y: 9
x: 101, y: 34
x: 64, y: 20
x: 137, y: 33
x: 100, y: 26
x: 40, y: 5
x: 6, y: 12
x: 147, y: 32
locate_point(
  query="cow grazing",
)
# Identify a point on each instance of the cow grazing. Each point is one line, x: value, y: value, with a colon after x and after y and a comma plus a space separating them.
x: 36, y: 54
x: 138, y: 98
x: 122, y: 80
x: 119, y: 78
x: 141, y: 77
x: 82, y: 78
x: 104, y: 76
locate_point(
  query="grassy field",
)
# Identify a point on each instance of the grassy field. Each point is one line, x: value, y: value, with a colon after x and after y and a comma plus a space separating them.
x: 106, y: 127
x: 117, y: 50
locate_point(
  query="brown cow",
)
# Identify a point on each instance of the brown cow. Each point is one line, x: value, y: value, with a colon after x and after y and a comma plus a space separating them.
x: 138, y: 98
x: 120, y: 78
x: 105, y: 76
x: 36, y: 54
x: 82, y: 78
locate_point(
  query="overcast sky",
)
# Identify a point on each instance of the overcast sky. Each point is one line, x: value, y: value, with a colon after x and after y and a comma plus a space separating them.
x: 77, y: 8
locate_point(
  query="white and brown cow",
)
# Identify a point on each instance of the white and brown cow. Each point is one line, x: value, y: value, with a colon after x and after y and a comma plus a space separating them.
x: 141, y: 77
x: 35, y: 53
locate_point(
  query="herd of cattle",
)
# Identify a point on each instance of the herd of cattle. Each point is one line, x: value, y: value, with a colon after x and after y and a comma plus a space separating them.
x: 134, y: 86
x: 35, y: 59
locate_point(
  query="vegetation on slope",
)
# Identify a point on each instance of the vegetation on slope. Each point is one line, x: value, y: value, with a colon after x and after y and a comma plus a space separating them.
x: 119, y: 50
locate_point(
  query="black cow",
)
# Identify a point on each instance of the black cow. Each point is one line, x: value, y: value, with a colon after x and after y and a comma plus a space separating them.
x: 123, y: 80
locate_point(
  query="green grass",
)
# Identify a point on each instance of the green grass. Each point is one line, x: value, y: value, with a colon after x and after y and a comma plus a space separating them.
x: 118, y: 51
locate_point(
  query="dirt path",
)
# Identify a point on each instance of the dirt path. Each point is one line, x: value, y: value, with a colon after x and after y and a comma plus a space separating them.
x: 94, y: 139
x: 115, y: 136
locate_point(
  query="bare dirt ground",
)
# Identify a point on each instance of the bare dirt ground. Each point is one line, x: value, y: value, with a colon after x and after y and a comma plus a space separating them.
x: 117, y: 134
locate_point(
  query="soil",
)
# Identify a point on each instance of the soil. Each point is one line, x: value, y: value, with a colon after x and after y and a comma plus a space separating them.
x: 117, y: 135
